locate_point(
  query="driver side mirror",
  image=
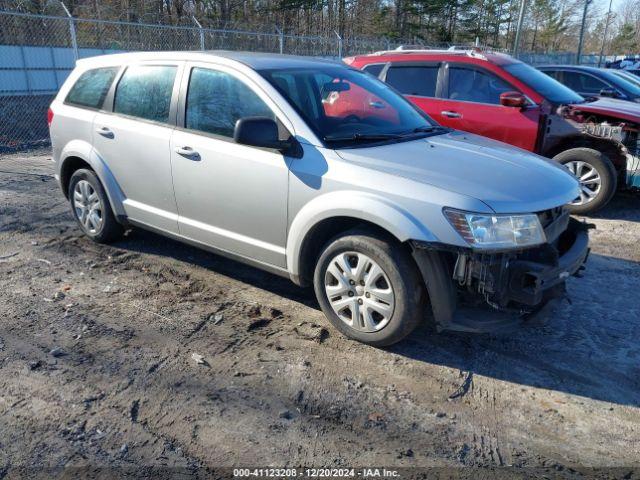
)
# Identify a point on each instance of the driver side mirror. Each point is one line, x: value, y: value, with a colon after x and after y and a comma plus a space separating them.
x: 609, y: 92
x: 258, y: 132
x: 513, y: 99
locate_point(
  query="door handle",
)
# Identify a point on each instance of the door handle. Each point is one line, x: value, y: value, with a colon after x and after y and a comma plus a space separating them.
x: 376, y: 104
x: 450, y: 114
x: 105, y: 132
x: 187, y: 152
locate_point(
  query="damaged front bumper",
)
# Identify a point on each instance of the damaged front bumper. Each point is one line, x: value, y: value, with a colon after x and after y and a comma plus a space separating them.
x: 514, y: 284
x: 627, y: 137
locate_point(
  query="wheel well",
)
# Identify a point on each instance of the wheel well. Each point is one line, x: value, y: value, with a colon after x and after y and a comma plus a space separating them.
x: 70, y: 165
x: 610, y: 148
x: 324, y: 231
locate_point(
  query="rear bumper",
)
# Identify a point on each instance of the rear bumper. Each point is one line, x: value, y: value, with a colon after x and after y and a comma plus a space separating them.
x: 515, y: 285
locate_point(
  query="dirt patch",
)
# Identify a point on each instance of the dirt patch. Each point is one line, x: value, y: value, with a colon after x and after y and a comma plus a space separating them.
x: 280, y: 386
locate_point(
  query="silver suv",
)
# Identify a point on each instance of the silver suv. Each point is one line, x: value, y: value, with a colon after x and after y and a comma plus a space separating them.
x: 319, y: 172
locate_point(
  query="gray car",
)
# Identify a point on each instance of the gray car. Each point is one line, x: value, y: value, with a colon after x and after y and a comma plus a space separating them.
x: 319, y: 172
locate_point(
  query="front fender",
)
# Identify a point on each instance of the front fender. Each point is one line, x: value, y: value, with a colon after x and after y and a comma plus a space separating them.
x: 84, y: 151
x: 360, y: 205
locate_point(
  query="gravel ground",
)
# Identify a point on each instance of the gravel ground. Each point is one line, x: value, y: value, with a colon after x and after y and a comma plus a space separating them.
x: 97, y: 366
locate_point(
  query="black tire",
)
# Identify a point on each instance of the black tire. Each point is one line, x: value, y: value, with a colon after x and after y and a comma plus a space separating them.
x: 402, y: 272
x: 608, y: 175
x: 110, y: 230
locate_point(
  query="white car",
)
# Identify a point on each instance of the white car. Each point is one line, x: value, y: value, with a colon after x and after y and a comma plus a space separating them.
x: 319, y: 172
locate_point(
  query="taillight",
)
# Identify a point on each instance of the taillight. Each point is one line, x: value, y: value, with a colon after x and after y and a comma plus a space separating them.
x: 49, y: 116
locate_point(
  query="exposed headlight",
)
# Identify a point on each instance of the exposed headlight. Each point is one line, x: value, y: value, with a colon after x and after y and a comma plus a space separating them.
x: 486, y: 231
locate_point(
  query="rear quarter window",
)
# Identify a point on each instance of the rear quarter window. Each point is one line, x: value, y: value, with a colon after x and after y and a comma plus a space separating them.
x: 374, y: 68
x: 92, y: 87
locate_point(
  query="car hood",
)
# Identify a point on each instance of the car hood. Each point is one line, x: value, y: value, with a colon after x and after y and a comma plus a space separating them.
x: 624, y: 110
x: 507, y: 179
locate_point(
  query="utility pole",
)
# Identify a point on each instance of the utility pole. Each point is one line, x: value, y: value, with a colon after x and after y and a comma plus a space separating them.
x: 581, y: 39
x: 516, y: 43
x: 606, y: 30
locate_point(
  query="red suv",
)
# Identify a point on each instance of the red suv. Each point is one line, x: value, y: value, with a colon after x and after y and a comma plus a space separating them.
x: 496, y: 96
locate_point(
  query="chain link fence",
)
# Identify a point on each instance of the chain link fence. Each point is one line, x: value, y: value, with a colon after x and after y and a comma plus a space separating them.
x: 564, y: 58
x: 37, y: 53
x: 36, y: 56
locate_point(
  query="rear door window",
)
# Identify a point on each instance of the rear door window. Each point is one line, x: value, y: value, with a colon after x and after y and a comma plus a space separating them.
x: 92, y: 87
x: 472, y: 85
x: 144, y: 91
x: 414, y: 80
x: 571, y: 80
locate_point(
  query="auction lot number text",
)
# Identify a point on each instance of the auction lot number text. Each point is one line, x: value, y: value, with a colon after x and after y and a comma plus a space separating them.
x: 315, y: 472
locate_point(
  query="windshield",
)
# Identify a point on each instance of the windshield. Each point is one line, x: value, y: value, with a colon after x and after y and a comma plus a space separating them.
x: 542, y: 83
x: 629, y: 80
x: 343, y: 105
x: 621, y: 82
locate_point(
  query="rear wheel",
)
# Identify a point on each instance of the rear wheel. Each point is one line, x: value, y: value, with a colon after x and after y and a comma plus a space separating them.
x: 597, y: 177
x: 90, y: 207
x: 369, y: 287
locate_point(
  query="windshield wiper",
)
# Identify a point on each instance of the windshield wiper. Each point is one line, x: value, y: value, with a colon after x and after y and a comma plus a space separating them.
x: 430, y: 128
x: 362, y: 137
x: 369, y: 137
x: 426, y: 129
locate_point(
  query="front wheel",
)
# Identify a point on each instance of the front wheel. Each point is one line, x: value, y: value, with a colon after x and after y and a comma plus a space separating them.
x: 597, y: 177
x: 369, y: 287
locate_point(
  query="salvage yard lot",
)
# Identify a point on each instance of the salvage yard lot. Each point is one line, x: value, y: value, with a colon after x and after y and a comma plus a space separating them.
x: 97, y: 366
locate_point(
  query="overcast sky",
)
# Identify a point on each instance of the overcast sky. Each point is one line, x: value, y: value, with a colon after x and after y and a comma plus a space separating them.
x: 604, y: 4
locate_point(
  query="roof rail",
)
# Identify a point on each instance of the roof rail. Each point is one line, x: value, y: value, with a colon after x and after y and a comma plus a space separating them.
x: 416, y: 46
x: 474, y: 52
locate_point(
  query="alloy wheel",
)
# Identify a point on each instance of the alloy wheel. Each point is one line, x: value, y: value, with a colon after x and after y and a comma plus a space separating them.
x: 359, y: 291
x: 589, y: 178
x: 88, y: 207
